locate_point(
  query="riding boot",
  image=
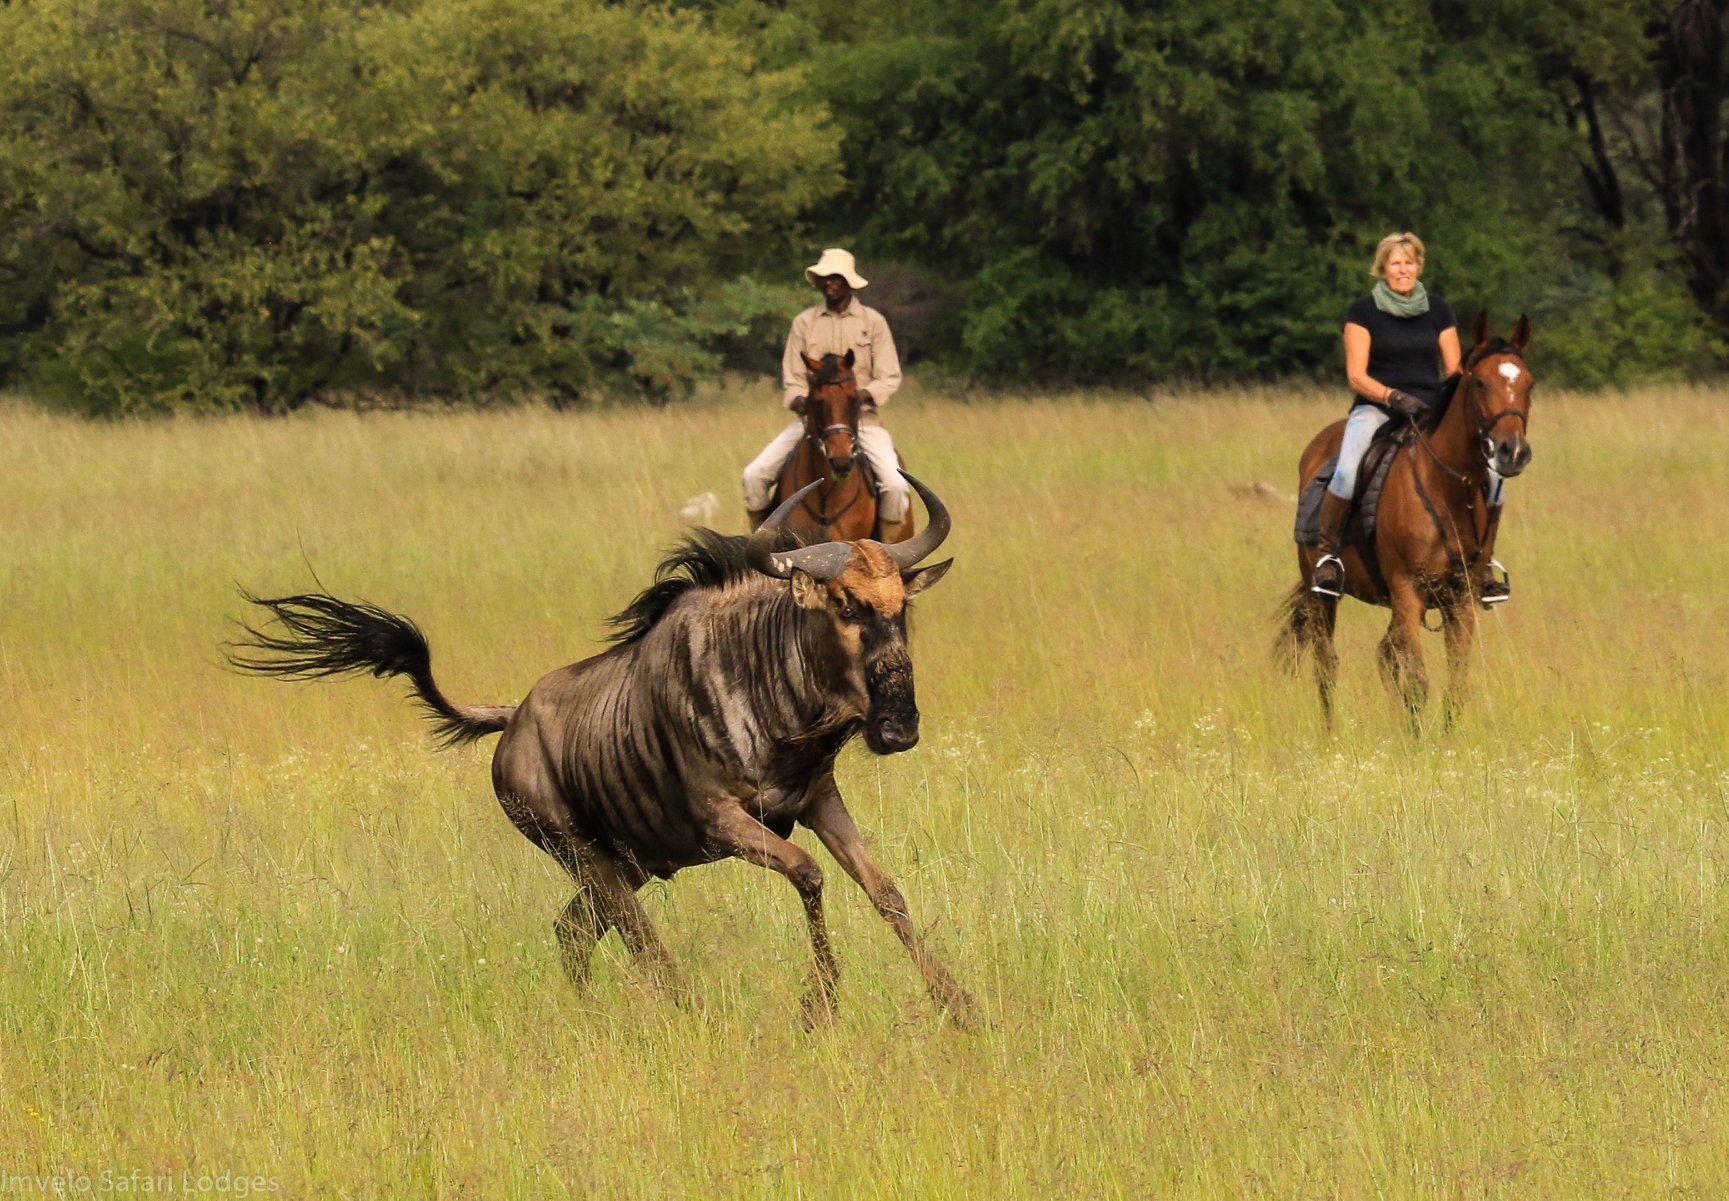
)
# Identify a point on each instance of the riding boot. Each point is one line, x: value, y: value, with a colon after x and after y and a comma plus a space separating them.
x: 755, y: 517
x: 1492, y: 589
x: 1328, y: 578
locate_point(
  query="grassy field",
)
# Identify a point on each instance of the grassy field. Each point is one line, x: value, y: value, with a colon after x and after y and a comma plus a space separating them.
x: 262, y: 938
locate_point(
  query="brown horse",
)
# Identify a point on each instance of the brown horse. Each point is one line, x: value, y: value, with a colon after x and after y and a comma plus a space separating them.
x: 843, y: 508
x: 1431, y: 538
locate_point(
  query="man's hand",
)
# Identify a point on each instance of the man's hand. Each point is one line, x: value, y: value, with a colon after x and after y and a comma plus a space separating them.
x: 1405, y: 403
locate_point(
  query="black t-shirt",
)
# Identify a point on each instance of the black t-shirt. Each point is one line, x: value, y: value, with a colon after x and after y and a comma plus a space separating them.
x: 1404, y: 352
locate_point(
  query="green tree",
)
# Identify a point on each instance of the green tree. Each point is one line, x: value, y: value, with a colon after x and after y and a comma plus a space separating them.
x: 1193, y: 188
x: 248, y: 204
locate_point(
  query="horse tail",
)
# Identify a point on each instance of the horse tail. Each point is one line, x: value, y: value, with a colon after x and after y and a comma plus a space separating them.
x: 1297, y: 617
x: 322, y: 636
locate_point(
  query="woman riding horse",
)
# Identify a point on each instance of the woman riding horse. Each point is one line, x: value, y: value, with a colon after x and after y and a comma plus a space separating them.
x: 1392, y: 339
x: 1429, y: 545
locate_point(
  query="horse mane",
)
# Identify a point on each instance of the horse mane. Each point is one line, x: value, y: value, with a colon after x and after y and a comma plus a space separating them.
x: 829, y: 371
x: 1490, y: 346
x: 705, y: 559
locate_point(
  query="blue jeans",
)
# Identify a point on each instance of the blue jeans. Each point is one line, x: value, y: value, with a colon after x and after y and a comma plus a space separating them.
x: 1360, y: 427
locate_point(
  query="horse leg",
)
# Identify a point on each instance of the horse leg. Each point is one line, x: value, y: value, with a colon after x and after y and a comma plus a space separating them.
x: 733, y: 831
x: 1323, y: 616
x: 1400, y: 653
x: 1459, y: 627
x: 828, y: 817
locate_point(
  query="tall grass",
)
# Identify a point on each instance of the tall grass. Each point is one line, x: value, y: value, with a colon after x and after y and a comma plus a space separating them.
x: 257, y: 929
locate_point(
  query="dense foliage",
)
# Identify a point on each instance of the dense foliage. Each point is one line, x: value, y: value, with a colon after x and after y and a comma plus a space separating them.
x: 1195, y: 187
x: 249, y: 203
x: 253, y: 203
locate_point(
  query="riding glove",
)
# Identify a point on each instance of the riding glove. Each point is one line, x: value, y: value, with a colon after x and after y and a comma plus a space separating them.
x: 1405, y: 403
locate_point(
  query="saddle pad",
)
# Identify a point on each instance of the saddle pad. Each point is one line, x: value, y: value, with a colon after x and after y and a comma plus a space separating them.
x: 1372, y: 477
x: 1308, y: 530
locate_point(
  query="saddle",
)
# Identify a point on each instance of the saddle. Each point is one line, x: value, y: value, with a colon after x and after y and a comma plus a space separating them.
x: 1371, y: 478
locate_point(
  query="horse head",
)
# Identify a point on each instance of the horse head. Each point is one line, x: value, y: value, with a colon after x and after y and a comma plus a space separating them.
x: 1497, y: 392
x: 831, y: 415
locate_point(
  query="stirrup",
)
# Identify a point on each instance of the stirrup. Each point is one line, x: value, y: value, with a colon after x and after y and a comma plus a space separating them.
x: 1315, y: 585
x: 1496, y: 591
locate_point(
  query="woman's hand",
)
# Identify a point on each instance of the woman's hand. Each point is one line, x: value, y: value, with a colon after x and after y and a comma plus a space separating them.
x: 1405, y: 403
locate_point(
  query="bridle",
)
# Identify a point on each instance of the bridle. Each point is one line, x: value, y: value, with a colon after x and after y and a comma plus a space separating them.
x: 817, y: 441
x: 818, y: 438
x: 1484, y: 423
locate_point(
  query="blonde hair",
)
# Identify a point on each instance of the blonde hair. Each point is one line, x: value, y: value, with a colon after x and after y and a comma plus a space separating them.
x: 1409, y: 242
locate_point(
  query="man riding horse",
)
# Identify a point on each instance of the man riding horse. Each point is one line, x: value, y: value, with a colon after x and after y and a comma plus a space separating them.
x: 838, y: 325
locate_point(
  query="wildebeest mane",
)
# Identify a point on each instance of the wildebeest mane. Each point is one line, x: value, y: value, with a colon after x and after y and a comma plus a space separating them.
x: 705, y: 559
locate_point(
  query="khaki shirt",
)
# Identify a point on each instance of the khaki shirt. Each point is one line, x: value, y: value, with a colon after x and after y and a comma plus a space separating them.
x: 858, y: 328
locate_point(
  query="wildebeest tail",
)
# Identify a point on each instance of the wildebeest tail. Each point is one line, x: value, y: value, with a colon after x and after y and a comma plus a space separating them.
x: 321, y: 636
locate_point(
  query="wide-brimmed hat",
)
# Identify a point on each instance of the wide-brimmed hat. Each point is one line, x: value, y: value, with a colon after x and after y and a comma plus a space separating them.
x: 835, y: 262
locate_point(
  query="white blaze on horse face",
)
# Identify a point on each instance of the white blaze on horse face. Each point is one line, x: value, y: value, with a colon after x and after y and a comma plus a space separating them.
x: 1509, y: 371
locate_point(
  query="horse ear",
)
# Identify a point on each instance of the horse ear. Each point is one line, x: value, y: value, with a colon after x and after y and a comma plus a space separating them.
x: 1480, y: 328
x: 1522, y: 333
x: 811, y: 365
x: 849, y: 357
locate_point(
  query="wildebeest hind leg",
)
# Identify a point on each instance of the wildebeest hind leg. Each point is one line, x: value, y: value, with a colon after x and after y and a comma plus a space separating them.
x: 605, y: 898
x: 739, y: 834
x: 828, y: 817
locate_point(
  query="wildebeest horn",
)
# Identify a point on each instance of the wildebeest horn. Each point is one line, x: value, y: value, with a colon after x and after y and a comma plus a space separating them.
x: 824, y: 561
x: 907, y: 554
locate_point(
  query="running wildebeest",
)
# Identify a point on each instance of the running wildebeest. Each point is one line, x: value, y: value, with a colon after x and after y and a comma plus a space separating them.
x: 705, y: 733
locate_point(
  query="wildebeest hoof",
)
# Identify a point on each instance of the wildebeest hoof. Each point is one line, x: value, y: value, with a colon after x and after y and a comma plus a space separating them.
x: 817, y: 1010
x: 962, y: 1009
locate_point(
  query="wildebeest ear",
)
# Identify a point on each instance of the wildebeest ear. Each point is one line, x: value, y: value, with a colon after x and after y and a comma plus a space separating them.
x: 920, y: 578
x: 1522, y: 333
x: 808, y: 591
x: 1480, y: 328
x: 849, y: 357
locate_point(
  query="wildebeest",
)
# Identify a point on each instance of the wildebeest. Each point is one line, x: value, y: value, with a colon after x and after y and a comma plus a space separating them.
x: 706, y: 732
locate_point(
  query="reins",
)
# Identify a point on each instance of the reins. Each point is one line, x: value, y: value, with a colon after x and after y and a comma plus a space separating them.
x: 1473, y: 484
x: 815, y: 441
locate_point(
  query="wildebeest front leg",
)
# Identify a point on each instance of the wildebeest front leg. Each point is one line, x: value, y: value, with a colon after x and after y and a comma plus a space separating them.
x: 737, y: 833
x: 827, y: 815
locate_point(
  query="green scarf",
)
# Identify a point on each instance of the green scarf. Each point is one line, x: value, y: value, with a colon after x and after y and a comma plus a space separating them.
x: 1395, y: 305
